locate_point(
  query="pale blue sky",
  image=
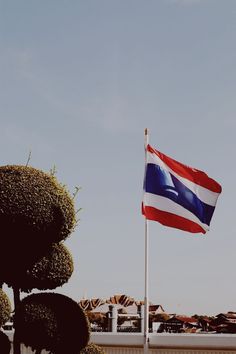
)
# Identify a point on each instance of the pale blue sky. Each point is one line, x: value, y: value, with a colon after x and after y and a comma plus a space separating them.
x: 80, y: 80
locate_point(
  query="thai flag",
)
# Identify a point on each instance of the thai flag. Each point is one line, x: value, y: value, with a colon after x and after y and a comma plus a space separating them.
x: 177, y: 195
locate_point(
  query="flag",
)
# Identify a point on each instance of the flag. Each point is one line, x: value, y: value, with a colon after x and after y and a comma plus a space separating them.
x: 177, y: 195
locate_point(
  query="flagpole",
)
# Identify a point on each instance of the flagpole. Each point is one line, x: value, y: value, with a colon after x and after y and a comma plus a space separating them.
x: 146, y: 297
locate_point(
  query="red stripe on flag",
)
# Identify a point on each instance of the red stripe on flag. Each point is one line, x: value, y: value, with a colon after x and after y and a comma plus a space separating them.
x: 192, y: 174
x: 171, y: 220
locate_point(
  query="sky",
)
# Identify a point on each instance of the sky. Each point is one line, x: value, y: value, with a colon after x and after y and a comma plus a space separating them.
x: 79, y: 83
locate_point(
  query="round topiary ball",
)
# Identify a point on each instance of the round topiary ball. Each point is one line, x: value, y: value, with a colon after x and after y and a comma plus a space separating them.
x: 5, y: 308
x: 52, y: 270
x: 35, y: 211
x: 92, y: 349
x: 53, y: 322
x: 5, y: 344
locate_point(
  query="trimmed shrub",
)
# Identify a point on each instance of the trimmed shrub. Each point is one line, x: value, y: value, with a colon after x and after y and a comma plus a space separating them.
x: 51, y: 271
x: 53, y: 322
x: 5, y: 308
x: 35, y: 211
x: 5, y: 344
x: 92, y: 349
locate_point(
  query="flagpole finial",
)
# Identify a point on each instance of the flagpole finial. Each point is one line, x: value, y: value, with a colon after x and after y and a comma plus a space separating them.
x: 146, y: 137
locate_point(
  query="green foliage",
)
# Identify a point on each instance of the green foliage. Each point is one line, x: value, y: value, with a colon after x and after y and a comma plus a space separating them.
x: 5, y: 344
x: 53, y: 322
x: 51, y: 271
x: 5, y: 308
x: 92, y: 349
x: 99, y: 319
x: 35, y: 211
x: 159, y: 317
x: 36, y: 200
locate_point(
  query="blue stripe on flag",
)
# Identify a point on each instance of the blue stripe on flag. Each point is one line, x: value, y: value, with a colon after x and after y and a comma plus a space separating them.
x: 161, y: 182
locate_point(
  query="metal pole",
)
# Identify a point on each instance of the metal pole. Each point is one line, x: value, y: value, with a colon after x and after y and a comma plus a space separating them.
x: 146, y: 298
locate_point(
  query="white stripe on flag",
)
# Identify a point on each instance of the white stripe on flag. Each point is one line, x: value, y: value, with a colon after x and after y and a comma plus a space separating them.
x: 167, y: 205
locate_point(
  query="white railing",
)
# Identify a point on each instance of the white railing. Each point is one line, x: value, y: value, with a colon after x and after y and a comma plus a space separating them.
x: 167, y: 343
x: 160, y: 343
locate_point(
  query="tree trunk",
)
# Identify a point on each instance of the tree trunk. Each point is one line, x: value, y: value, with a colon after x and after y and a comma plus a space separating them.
x: 16, y: 342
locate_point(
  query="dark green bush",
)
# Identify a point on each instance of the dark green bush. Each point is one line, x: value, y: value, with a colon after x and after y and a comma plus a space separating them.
x: 35, y: 211
x: 5, y: 345
x: 5, y: 308
x: 51, y: 271
x: 53, y: 322
x: 92, y: 349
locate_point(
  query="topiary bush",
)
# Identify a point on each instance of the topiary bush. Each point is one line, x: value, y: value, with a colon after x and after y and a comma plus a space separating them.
x: 5, y: 308
x: 92, y: 349
x: 5, y: 344
x: 53, y: 322
x: 35, y: 211
x: 52, y: 270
